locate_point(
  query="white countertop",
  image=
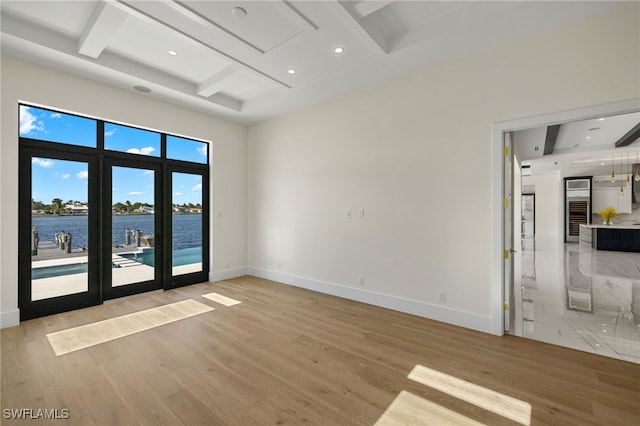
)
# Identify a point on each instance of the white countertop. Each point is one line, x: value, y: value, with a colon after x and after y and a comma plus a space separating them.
x: 614, y: 226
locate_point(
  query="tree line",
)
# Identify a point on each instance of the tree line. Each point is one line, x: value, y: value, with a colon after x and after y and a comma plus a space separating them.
x: 57, y: 206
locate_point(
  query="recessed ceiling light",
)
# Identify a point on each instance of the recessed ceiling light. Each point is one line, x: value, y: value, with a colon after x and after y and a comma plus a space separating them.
x: 239, y: 12
x: 142, y: 89
x: 338, y: 50
x: 601, y: 119
x: 291, y: 71
x: 602, y: 164
x: 173, y: 52
x: 588, y: 137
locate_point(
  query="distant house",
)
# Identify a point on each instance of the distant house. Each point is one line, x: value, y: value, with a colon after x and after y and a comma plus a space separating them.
x: 145, y: 210
x: 77, y: 209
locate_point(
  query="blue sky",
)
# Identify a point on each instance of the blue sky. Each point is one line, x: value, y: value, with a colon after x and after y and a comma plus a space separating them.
x: 68, y: 180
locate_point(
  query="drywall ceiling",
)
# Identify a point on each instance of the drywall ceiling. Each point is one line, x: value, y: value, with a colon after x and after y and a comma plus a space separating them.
x: 235, y: 59
x: 581, y: 147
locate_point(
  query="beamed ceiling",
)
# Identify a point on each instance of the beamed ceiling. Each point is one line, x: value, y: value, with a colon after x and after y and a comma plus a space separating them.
x: 233, y: 58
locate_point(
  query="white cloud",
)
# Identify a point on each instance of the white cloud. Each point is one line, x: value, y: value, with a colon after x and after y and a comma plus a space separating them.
x: 197, y: 188
x: 83, y: 174
x: 178, y: 194
x: 29, y: 122
x: 56, y: 115
x: 135, y: 193
x: 47, y: 164
x: 110, y: 132
x: 148, y: 172
x: 203, y: 149
x: 144, y: 151
x: 65, y: 176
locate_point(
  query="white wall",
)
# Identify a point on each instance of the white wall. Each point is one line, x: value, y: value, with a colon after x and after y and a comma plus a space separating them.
x: 548, y: 208
x: 416, y: 154
x: 26, y: 82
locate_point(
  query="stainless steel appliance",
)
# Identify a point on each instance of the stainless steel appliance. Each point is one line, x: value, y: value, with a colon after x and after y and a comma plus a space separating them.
x: 577, y: 206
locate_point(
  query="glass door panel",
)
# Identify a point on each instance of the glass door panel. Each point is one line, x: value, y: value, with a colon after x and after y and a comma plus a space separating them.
x: 59, y: 234
x: 186, y: 223
x: 133, y: 223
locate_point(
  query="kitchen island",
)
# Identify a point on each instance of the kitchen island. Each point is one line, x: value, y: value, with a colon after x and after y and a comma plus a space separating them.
x: 612, y: 237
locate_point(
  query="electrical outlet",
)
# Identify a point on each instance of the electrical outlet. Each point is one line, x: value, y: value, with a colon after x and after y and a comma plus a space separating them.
x: 349, y: 214
x: 443, y: 297
x: 361, y: 281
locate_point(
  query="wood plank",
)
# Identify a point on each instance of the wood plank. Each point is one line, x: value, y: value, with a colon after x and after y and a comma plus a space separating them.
x: 287, y: 355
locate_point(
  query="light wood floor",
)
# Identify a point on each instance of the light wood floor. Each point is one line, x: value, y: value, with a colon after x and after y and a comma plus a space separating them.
x: 291, y: 356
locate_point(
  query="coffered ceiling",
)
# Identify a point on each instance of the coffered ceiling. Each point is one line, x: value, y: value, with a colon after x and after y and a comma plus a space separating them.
x: 250, y: 60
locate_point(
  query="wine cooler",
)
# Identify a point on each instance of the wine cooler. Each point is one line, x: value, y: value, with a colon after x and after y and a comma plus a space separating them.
x: 577, y: 206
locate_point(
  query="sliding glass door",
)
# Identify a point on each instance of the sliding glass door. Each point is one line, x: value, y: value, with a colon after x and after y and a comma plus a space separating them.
x: 106, y: 210
x: 131, y: 219
x: 58, y: 244
x: 188, y: 230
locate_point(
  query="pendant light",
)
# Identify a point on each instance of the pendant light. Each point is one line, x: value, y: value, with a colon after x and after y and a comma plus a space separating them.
x: 628, y: 172
x: 621, y: 172
x: 637, y: 169
x: 613, y: 172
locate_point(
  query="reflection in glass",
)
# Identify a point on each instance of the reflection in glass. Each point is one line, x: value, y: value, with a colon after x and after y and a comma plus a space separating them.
x: 131, y: 140
x: 186, y: 223
x: 51, y: 126
x: 59, y: 228
x: 132, y: 226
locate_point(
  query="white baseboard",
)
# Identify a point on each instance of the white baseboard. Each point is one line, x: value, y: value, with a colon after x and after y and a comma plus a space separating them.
x: 227, y: 274
x: 435, y: 312
x: 9, y: 319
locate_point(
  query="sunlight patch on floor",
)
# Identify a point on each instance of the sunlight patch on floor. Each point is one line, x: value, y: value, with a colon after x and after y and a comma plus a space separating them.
x: 223, y: 300
x: 84, y: 336
x: 409, y: 409
x: 503, y: 405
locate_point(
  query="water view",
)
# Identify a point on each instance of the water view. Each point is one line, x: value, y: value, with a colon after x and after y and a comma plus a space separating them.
x: 63, y: 249
x: 187, y: 228
x: 60, y: 229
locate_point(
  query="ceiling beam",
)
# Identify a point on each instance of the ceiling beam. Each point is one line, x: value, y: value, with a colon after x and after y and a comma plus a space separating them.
x: 216, y: 82
x: 104, y: 23
x: 550, y: 139
x: 367, y: 7
x: 356, y: 27
x: 630, y: 137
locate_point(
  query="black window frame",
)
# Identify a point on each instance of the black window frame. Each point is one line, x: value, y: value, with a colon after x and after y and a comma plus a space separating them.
x: 99, y: 159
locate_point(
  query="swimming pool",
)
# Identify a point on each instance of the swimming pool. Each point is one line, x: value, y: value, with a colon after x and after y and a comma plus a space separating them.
x: 180, y: 257
x: 59, y: 270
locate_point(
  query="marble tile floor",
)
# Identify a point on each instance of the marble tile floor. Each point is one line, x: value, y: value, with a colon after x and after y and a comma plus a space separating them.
x: 571, y: 295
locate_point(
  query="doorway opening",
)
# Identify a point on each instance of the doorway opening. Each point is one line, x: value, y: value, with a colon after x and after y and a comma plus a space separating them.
x: 562, y: 293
